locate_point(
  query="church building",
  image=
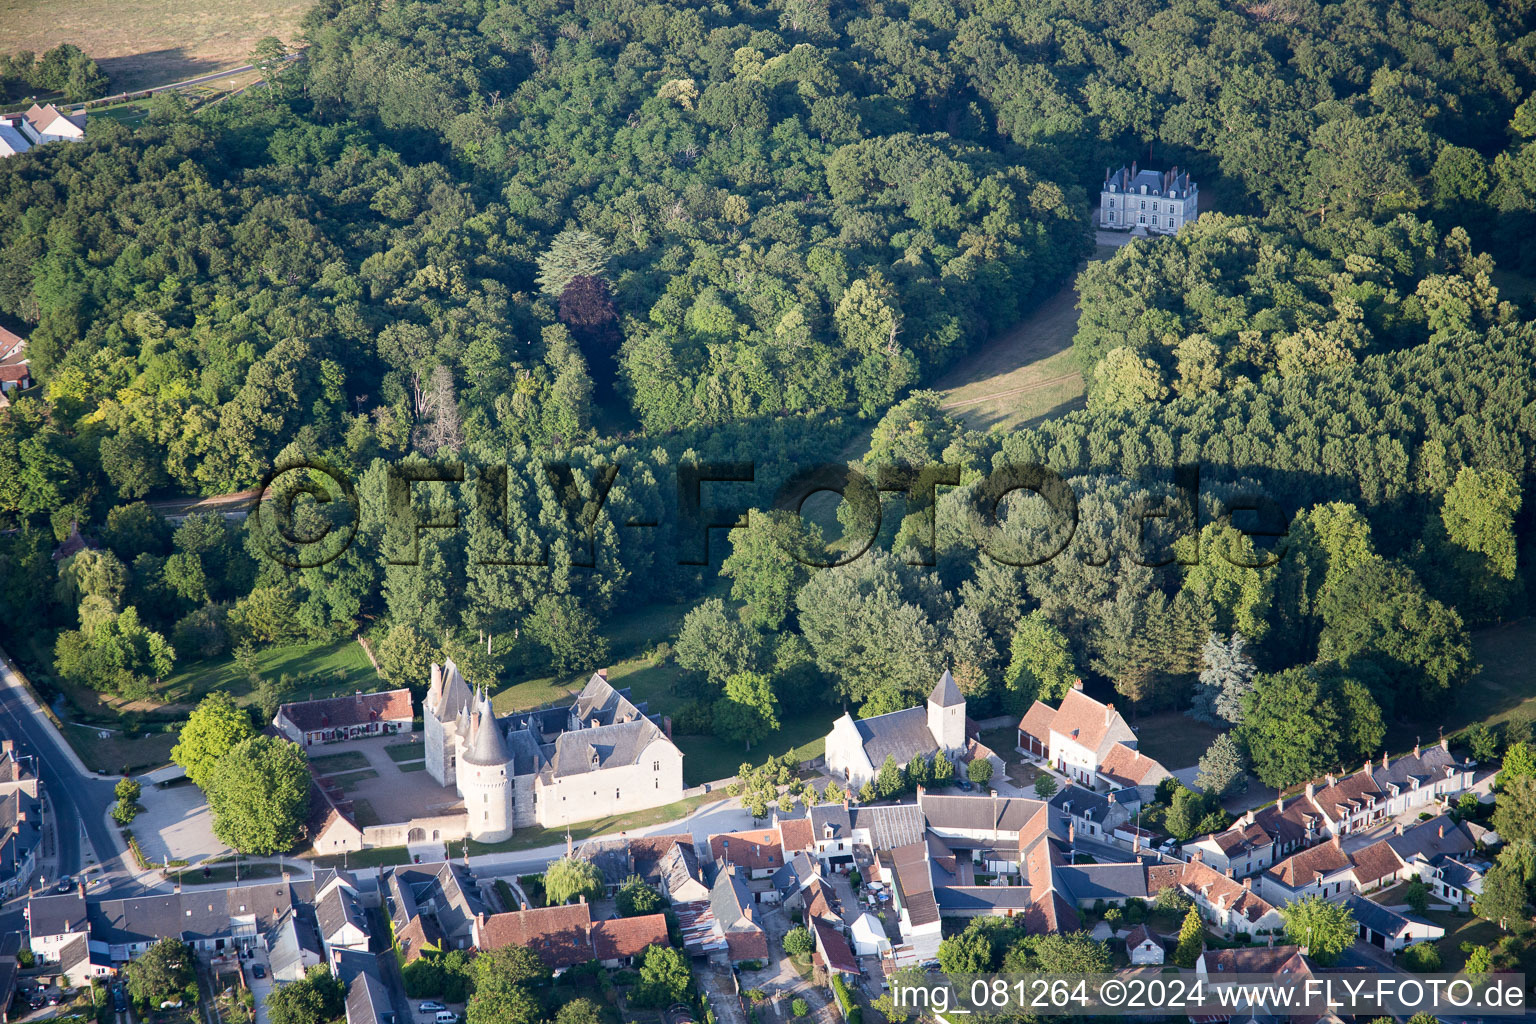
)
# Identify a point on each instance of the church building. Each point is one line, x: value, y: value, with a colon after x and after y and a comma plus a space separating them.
x: 857, y: 747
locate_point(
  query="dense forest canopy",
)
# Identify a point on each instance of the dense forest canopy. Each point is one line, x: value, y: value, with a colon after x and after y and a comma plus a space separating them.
x: 618, y: 233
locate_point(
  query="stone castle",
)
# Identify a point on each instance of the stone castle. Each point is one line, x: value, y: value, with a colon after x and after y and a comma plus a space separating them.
x: 601, y: 755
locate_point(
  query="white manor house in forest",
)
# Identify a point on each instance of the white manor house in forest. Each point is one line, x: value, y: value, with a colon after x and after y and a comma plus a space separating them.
x: 1160, y: 202
x: 547, y: 767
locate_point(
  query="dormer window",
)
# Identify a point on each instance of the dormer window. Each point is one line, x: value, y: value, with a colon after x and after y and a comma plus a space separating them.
x: 1143, y: 190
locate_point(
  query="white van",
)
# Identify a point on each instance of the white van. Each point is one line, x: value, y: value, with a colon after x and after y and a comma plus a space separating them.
x: 446, y: 1017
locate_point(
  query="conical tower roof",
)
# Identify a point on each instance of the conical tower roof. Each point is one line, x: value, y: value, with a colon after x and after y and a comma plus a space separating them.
x: 487, y: 746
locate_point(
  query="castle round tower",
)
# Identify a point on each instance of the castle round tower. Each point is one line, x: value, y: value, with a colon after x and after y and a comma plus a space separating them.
x: 483, y: 776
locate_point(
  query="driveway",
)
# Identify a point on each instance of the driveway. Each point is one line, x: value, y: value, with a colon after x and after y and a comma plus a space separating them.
x: 716, y: 982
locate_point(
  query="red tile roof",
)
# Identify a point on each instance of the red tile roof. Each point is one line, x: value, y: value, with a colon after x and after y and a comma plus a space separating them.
x: 1304, y: 867
x: 354, y: 709
x: 625, y: 937
x: 1083, y: 719
x: 1130, y: 767
x: 1376, y: 862
x: 561, y: 936
x: 752, y: 850
x: 834, y: 949
x: 797, y: 834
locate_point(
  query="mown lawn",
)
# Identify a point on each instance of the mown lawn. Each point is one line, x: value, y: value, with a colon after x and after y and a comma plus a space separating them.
x: 1504, y: 688
x: 1458, y: 929
x: 322, y: 669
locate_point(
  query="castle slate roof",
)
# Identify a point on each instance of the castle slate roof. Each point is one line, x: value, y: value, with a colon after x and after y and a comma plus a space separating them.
x: 486, y: 744
x: 451, y: 695
x: 607, y: 746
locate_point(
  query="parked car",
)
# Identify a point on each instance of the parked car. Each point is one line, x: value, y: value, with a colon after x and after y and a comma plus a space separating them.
x: 446, y: 1017
x: 964, y: 784
x: 65, y: 884
x: 259, y: 970
x: 431, y: 1005
x: 54, y: 1000
x: 119, y: 1000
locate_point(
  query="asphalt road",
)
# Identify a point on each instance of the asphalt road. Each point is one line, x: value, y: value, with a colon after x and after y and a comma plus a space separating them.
x: 75, y: 798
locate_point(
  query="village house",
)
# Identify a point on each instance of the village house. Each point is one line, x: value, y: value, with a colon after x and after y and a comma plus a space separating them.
x: 735, y: 916
x: 564, y: 936
x: 1228, y: 905
x: 1427, y: 778
x: 21, y: 821
x: 1441, y: 853
x: 1089, y: 742
x: 1144, y: 948
x: 211, y: 921
x: 431, y: 905
x: 349, y: 717
x: 1387, y: 929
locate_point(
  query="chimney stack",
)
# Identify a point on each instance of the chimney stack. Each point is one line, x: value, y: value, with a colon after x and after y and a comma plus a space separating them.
x: 1077, y: 684
x: 1109, y: 713
x: 1279, y: 801
x: 522, y: 905
x: 602, y: 674
x: 583, y: 898
x: 1198, y: 857
x: 1442, y: 831
x: 1445, y: 744
x: 1384, y: 764
x: 1248, y: 883
x: 1311, y: 790
x: 1415, y: 746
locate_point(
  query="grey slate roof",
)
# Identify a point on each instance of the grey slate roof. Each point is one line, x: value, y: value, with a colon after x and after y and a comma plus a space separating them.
x: 835, y: 815
x: 193, y: 916
x: 1102, y: 881
x: 1425, y: 839
x: 443, y: 889
x: 1006, y: 814
x: 795, y: 873
x: 287, y: 941
x: 945, y: 693
x: 727, y: 900
x: 1377, y: 917
x: 486, y: 744
x: 1458, y: 874
x: 956, y: 899
x: 336, y: 910
x: 900, y: 734
x: 57, y: 915
x: 368, y: 997
x: 607, y: 745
